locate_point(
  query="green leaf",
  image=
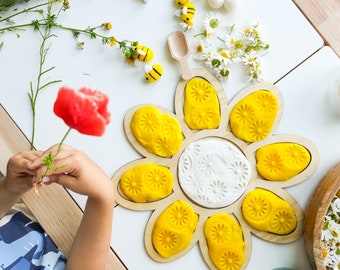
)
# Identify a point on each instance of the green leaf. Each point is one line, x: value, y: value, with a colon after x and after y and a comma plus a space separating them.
x: 48, y: 161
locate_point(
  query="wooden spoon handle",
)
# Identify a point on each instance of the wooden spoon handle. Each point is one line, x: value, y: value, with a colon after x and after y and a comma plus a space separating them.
x: 186, y: 73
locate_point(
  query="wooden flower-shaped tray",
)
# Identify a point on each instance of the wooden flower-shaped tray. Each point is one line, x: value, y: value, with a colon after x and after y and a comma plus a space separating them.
x: 316, y: 211
x: 224, y: 170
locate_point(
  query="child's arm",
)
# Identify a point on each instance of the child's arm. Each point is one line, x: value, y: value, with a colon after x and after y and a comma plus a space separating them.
x: 81, y: 175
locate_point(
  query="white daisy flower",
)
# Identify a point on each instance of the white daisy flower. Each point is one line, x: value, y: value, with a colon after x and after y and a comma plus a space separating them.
x: 251, y: 29
x: 212, y: 22
x: 212, y: 62
x: 223, y: 72
x: 201, y: 48
x: 335, y: 230
x: 219, y: 63
x: 253, y: 66
x: 332, y: 259
x: 336, y: 205
x: 326, y: 235
x: 226, y: 56
x: 234, y: 47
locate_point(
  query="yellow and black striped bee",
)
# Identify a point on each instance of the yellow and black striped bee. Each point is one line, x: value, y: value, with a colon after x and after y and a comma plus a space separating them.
x: 144, y: 53
x: 153, y: 73
x: 188, y: 13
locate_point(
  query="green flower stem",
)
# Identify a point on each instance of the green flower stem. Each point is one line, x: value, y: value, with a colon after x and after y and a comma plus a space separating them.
x: 62, y: 141
x: 16, y: 27
x: 34, y: 93
x: 43, y: 51
x: 49, y: 159
x: 75, y: 31
x: 88, y: 31
x: 26, y: 10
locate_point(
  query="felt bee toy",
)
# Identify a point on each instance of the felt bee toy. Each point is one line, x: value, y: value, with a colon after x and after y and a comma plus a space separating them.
x: 188, y: 12
x: 144, y: 53
x: 153, y: 73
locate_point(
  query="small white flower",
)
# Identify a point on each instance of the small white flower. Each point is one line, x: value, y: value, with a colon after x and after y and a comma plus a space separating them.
x: 335, y: 230
x: 326, y: 235
x: 219, y: 61
x: 251, y: 29
x: 222, y: 70
x: 235, y: 53
x: 201, y: 48
x: 214, y: 61
x: 336, y: 205
x: 253, y: 66
x: 332, y: 260
x: 212, y: 22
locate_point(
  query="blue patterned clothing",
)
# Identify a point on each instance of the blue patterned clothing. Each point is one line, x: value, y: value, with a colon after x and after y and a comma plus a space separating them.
x: 25, y: 246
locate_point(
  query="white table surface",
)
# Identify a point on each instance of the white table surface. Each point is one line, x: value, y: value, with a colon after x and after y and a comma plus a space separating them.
x: 292, y: 40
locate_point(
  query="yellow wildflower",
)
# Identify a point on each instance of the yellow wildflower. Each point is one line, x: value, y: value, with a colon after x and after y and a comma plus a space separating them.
x: 107, y: 25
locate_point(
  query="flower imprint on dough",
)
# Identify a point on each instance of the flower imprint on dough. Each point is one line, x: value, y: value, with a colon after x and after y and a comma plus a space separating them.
x: 215, y: 172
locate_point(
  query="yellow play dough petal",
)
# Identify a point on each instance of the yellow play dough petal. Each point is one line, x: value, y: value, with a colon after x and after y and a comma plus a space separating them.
x: 174, y: 228
x: 281, y: 161
x: 282, y: 220
x: 265, y: 211
x: 225, y: 241
x: 157, y: 132
x: 252, y: 118
x: 147, y: 182
x: 201, y: 105
x: 228, y: 258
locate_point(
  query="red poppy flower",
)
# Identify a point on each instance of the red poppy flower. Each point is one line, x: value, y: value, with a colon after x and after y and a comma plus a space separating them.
x: 84, y: 110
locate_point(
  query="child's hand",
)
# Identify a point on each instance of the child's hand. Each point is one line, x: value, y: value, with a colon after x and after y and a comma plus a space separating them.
x: 75, y: 171
x: 19, y: 176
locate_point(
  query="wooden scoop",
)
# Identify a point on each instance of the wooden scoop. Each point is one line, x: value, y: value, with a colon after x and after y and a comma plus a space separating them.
x: 179, y: 50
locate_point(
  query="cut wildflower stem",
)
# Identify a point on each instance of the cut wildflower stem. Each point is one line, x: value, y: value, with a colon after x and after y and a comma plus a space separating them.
x: 34, y: 92
x: 49, y: 160
x: 26, y: 10
x: 128, y: 48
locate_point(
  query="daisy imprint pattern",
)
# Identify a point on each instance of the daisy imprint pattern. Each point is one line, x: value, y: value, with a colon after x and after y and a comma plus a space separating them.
x: 214, y: 172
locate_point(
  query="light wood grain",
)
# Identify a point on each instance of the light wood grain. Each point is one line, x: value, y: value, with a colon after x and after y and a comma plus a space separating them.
x: 54, y: 208
x: 316, y: 212
x: 324, y: 15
